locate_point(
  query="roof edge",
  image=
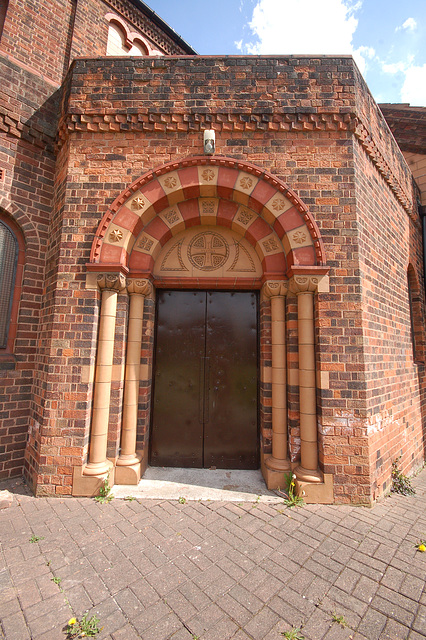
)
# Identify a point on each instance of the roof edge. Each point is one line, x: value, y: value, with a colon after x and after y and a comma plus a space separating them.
x: 139, y: 4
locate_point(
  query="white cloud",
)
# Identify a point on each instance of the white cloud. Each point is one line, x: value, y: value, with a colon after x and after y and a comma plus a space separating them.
x: 311, y: 27
x: 394, y: 67
x: 361, y: 55
x: 414, y: 87
x: 409, y: 25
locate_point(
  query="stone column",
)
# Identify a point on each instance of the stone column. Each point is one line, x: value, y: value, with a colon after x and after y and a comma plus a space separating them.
x: 110, y: 284
x: 279, y: 462
x: 304, y: 287
x: 128, y: 463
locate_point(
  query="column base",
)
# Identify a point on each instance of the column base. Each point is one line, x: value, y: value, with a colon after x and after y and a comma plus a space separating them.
x: 128, y: 461
x: 273, y: 479
x: 96, y: 468
x: 308, y: 475
x: 88, y: 485
x: 128, y: 474
x: 275, y: 464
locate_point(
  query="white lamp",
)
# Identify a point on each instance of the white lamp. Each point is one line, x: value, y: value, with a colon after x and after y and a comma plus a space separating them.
x: 209, y: 142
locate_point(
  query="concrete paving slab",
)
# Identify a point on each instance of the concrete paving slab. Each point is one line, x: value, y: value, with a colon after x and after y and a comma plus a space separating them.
x: 230, y: 485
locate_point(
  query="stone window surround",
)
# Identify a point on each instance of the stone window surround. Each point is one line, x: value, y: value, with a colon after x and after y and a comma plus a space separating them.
x: 130, y: 38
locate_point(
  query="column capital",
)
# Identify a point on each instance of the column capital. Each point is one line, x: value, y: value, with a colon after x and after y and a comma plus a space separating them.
x: 304, y: 283
x: 275, y: 288
x: 112, y: 281
x: 139, y: 286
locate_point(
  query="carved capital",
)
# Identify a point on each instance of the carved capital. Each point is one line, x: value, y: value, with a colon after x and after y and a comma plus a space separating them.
x: 112, y: 281
x: 138, y: 286
x: 275, y: 288
x: 304, y: 284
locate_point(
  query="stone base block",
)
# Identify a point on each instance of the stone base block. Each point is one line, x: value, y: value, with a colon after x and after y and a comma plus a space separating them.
x: 273, y: 479
x: 317, y: 492
x: 128, y: 474
x: 88, y: 486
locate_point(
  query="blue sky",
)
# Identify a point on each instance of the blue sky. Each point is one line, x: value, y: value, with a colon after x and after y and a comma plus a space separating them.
x: 386, y: 38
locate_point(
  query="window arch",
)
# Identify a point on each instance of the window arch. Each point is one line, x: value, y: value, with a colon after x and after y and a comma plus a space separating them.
x: 11, y: 270
x: 122, y: 41
x: 416, y: 316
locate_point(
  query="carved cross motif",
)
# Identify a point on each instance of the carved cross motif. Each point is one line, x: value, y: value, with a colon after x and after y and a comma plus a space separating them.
x: 208, y: 251
x: 270, y: 245
x: 171, y: 216
x: 244, y: 217
x: 208, y: 206
x: 145, y: 243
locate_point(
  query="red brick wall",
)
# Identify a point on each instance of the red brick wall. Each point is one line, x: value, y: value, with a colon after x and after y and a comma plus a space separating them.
x: 38, y: 39
x: 300, y: 119
x: 297, y: 120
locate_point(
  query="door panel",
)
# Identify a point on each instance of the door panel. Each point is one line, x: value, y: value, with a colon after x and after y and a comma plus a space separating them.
x: 230, y: 430
x: 177, y: 425
x: 205, y: 395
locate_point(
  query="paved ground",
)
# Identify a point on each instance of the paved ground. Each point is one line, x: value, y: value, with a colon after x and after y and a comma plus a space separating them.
x: 158, y: 569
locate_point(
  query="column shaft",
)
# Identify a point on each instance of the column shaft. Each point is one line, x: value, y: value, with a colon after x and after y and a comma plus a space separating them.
x: 279, y: 459
x: 307, y: 381
x: 98, y: 463
x: 131, y: 384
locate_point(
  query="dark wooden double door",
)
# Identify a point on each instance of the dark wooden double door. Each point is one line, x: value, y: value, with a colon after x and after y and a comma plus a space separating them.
x: 205, y: 384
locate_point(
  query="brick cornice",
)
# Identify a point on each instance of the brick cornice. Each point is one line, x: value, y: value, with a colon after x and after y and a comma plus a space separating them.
x: 370, y: 147
x: 108, y: 120
x: 11, y: 124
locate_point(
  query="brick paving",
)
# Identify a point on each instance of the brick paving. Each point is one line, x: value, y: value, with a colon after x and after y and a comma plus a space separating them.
x: 159, y: 570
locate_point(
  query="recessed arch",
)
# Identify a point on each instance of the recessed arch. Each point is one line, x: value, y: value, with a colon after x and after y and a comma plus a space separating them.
x: 216, y: 191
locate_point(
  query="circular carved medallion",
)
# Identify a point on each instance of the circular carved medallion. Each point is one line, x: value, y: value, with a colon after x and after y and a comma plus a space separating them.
x: 208, y: 251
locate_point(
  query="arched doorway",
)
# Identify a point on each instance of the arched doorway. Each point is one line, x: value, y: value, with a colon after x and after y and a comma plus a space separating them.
x: 207, y: 225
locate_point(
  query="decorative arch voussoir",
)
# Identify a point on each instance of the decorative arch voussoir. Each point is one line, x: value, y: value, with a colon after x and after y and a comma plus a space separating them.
x: 177, y: 184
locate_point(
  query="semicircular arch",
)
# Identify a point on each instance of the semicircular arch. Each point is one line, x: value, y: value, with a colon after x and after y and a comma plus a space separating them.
x: 208, y: 190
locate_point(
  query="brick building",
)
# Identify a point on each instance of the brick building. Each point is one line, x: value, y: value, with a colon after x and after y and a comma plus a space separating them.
x: 259, y: 306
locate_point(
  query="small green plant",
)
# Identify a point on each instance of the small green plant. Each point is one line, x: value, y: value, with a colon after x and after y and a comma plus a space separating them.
x: 182, y: 500
x: 104, y: 492
x: 129, y: 498
x: 83, y: 628
x: 291, y: 497
x: 35, y: 538
x: 400, y: 483
x: 339, y: 619
x: 295, y: 633
x: 57, y: 580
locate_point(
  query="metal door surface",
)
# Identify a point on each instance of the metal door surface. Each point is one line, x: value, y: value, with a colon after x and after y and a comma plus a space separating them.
x: 230, y: 426
x: 205, y: 383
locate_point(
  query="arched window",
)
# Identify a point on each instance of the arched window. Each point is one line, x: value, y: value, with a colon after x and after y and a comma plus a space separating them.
x: 11, y: 268
x: 122, y: 41
x: 416, y: 316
